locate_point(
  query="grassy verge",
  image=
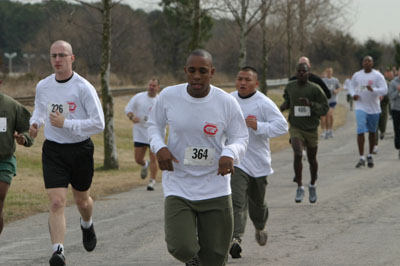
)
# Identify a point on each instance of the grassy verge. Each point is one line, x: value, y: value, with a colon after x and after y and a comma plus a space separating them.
x: 27, y: 195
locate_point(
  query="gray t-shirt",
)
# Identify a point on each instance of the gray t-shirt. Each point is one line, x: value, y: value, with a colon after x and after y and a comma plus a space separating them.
x: 333, y: 84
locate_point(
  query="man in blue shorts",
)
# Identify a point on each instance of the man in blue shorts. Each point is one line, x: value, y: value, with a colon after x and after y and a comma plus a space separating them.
x: 366, y: 87
x: 14, y: 124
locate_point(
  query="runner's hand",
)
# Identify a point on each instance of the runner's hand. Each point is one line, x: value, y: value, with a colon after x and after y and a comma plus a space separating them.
x: 165, y: 159
x: 33, y: 130
x: 225, y: 166
x: 19, y: 138
x: 57, y: 119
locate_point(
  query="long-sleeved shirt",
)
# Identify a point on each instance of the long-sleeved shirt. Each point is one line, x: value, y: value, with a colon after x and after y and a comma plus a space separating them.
x: 201, y: 130
x: 270, y: 123
x: 140, y: 105
x: 305, y: 117
x: 394, y: 94
x: 317, y: 80
x: 13, y: 118
x: 368, y: 101
x: 76, y: 100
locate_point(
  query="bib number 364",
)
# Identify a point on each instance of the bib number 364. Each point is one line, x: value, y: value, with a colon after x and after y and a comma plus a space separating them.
x: 199, y: 156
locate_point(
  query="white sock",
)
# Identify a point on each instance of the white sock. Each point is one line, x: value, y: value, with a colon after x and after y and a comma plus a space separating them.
x: 369, y: 155
x: 302, y: 187
x: 311, y: 185
x: 146, y: 164
x: 56, y: 245
x: 87, y: 224
x: 362, y: 157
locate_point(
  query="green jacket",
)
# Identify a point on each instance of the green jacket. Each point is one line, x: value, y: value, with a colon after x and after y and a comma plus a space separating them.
x: 319, y: 104
x: 13, y: 118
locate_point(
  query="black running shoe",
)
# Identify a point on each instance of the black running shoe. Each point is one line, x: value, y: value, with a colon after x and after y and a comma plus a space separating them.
x: 370, y: 162
x: 360, y: 163
x: 58, y: 258
x: 89, y: 238
x: 193, y: 262
x: 235, y: 249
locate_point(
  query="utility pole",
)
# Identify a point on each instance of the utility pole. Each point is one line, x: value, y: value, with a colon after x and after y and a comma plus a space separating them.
x: 28, y: 58
x: 10, y: 58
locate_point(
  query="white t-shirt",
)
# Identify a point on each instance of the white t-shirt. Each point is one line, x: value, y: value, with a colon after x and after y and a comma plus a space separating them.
x: 332, y: 84
x: 368, y: 100
x: 201, y: 130
x: 270, y: 123
x: 140, y: 105
x: 76, y: 100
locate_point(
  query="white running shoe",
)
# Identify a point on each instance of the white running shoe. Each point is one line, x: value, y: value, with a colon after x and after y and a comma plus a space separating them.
x: 375, y: 150
x: 299, y: 194
x: 151, y: 185
x: 145, y: 168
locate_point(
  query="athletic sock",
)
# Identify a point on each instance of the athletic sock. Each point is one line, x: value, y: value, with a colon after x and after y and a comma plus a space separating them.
x: 56, y: 245
x: 362, y: 157
x: 87, y: 224
x: 369, y: 155
x: 311, y: 185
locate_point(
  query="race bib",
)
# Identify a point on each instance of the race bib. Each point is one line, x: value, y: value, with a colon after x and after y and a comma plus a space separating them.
x: 62, y: 108
x: 3, y: 124
x: 362, y: 88
x: 302, y: 111
x: 199, y: 156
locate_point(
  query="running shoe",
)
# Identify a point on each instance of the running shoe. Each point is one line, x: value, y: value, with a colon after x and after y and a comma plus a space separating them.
x: 312, y: 190
x: 295, y: 179
x: 375, y: 150
x: 235, y: 249
x: 150, y: 186
x: 193, y: 262
x: 327, y: 134
x: 58, y: 258
x: 370, y: 162
x: 143, y: 173
x: 323, y: 134
x: 89, y: 238
x: 360, y: 163
x: 382, y: 136
x: 304, y: 155
x: 331, y: 134
x: 261, y: 237
x: 299, y: 195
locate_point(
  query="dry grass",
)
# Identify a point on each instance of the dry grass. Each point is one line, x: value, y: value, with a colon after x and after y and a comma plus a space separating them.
x: 28, y: 196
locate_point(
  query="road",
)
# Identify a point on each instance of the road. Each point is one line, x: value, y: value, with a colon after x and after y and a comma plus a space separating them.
x: 354, y: 223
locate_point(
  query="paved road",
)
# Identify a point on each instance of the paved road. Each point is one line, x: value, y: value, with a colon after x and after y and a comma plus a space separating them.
x: 354, y: 222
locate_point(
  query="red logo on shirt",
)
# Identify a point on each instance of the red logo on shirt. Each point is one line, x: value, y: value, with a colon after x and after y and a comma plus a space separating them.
x: 210, y: 129
x: 251, y: 116
x: 72, y: 106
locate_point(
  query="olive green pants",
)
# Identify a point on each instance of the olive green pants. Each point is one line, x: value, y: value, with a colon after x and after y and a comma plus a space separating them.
x: 199, y: 228
x: 248, y: 194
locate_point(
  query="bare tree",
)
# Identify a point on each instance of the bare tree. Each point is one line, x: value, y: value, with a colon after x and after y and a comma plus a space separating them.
x: 110, y: 148
x: 247, y: 15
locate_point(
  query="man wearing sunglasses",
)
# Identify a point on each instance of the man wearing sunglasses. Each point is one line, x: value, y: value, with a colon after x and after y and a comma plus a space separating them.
x: 68, y: 107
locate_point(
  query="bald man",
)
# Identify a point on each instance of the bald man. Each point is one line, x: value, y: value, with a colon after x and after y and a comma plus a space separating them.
x: 207, y: 135
x: 68, y: 107
x: 314, y: 78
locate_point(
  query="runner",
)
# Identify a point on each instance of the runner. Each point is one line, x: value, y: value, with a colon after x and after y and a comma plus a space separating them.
x: 14, y: 126
x: 306, y: 103
x: 394, y: 96
x: 68, y: 107
x: 334, y: 86
x: 366, y: 87
x: 249, y: 183
x: 207, y: 133
x: 138, y: 110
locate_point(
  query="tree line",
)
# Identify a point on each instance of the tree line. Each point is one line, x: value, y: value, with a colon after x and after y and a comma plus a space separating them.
x: 155, y: 43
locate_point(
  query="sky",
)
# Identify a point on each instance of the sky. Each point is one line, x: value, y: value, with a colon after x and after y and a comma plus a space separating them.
x: 374, y: 19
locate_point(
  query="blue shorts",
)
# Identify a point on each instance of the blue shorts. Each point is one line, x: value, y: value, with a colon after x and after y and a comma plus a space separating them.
x: 366, y: 122
x: 332, y: 105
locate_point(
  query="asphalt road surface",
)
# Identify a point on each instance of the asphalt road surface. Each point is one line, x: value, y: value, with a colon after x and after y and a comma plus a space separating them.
x: 354, y: 222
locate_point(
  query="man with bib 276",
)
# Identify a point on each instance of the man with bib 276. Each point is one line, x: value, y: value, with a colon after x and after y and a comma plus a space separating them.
x: 306, y: 103
x: 207, y: 133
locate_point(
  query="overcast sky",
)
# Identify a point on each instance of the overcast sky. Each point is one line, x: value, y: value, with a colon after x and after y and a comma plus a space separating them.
x: 368, y: 18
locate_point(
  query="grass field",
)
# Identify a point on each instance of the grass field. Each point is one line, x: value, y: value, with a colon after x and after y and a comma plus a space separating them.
x: 27, y: 195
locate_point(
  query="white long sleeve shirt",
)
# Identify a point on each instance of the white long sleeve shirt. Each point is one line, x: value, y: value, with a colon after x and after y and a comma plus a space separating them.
x: 368, y: 100
x: 201, y: 130
x: 140, y: 105
x: 270, y: 123
x: 76, y: 100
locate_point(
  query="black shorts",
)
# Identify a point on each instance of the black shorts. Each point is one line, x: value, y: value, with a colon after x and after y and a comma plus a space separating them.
x: 65, y: 164
x: 140, y: 144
